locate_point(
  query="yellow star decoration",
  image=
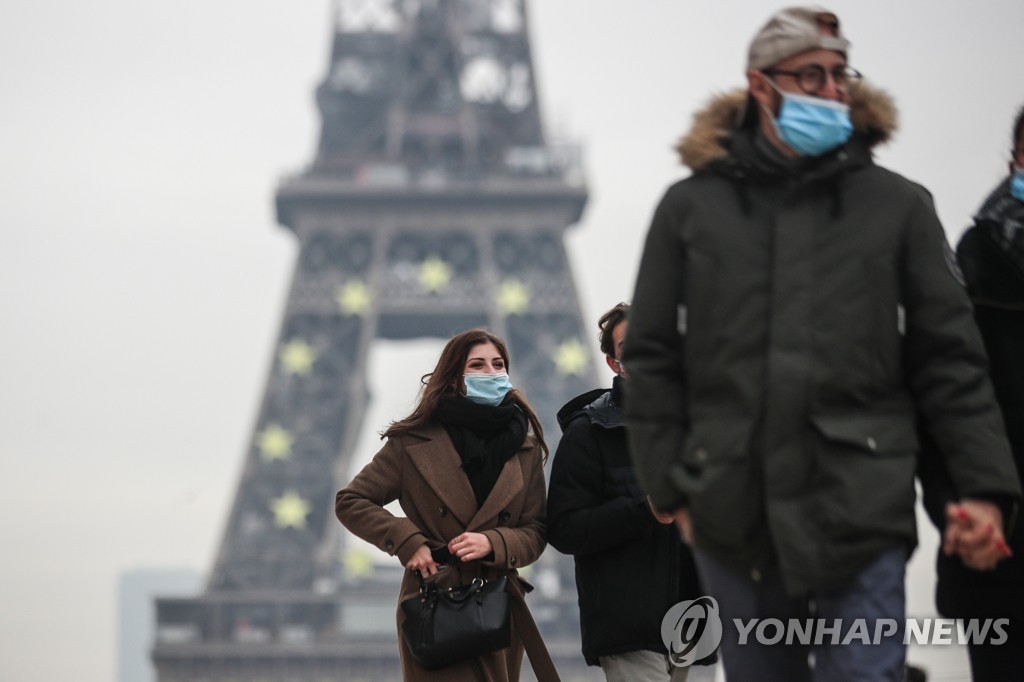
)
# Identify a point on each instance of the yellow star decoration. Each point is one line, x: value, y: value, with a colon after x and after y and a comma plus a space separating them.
x: 357, y: 563
x: 434, y: 274
x: 512, y: 297
x: 297, y: 357
x: 290, y: 510
x: 571, y: 358
x: 354, y: 298
x: 274, y: 442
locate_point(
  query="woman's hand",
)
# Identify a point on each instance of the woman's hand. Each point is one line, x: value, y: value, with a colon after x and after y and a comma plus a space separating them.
x: 423, y: 562
x: 470, y: 546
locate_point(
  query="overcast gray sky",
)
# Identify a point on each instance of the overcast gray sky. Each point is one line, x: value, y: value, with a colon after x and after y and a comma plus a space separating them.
x: 142, y: 277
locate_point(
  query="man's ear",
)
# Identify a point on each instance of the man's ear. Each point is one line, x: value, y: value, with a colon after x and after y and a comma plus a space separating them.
x: 761, y: 90
x: 612, y: 365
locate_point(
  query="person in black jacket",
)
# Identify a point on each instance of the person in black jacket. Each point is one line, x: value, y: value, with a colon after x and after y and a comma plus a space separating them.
x: 991, y: 256
x: 631, y: 565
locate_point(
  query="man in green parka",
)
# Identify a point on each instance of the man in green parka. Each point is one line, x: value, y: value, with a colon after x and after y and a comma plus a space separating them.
x: 797, y: 310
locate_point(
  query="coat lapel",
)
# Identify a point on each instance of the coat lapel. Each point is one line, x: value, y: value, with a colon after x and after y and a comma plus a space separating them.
x: 508, y: 485
x: 440, y: 465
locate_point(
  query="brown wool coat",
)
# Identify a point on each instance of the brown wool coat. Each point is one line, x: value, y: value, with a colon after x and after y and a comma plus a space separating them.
x: 421, y: 469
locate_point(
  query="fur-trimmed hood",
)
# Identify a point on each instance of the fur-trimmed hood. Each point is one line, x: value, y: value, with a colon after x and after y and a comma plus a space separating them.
x: 872, y: 112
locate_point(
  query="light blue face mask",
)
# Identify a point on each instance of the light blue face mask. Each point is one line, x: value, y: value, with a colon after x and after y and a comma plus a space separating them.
x: 1017, y: 183
x: 487, y: 389
x: 811, y: 126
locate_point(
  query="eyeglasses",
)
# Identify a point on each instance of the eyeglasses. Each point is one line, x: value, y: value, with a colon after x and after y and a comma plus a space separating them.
x: 811, y: 78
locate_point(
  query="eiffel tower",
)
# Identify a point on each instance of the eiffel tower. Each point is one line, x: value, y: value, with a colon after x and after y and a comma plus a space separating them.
x: 433, y: 205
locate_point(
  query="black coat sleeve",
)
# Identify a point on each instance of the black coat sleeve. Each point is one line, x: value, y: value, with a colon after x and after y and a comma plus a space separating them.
x: 948, y: 366
x: 582, y: 518
x: 656, y: 406
x: 936, y: 486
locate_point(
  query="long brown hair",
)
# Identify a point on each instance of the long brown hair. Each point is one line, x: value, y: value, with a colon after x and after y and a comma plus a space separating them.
x: 447, y: 375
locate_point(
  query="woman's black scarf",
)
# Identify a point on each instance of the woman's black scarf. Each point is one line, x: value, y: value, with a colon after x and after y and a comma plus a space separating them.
x: 485, y: 437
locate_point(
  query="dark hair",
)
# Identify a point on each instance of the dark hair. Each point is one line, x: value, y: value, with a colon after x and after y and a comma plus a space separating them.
x: 607, y: 324
x: 447, y: 377
x: 1018, y: 128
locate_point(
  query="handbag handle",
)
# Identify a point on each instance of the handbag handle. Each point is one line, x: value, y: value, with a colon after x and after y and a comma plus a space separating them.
x: 457, y: 594
x: 463, y: 592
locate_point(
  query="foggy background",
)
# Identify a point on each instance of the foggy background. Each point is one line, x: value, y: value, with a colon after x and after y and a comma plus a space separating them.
x: 143, y: 277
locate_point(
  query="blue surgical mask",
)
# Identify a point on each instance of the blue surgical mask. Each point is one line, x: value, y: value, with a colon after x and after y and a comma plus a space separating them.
x: 487, y: 389
x: 1017, y: 183
x: 811, y: 126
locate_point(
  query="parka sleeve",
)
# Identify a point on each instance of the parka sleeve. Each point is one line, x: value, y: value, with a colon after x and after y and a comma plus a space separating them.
x: 521, y: 545
x: 948, y: 367
x: 581, y: 518
x: 360, y: 505
x: 656, y: 405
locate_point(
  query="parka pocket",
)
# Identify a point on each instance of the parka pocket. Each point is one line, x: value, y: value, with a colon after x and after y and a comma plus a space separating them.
x: 866, y: 466
x: 719, y: 476
x: 881, y: 435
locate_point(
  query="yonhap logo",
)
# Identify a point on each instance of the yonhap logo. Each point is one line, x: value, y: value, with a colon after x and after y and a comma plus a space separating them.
x: 691, y: 630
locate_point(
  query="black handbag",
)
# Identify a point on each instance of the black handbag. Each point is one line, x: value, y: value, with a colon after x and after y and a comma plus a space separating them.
x: 445, y: 626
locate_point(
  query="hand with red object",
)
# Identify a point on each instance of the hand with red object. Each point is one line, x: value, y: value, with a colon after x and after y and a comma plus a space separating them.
x: 974, y: 531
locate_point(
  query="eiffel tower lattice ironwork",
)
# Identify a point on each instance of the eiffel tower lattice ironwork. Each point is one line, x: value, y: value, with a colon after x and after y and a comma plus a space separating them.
x: 434, y: 204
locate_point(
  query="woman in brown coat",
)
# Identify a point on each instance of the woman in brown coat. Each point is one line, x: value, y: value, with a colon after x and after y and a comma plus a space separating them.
x: 467, y: 468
